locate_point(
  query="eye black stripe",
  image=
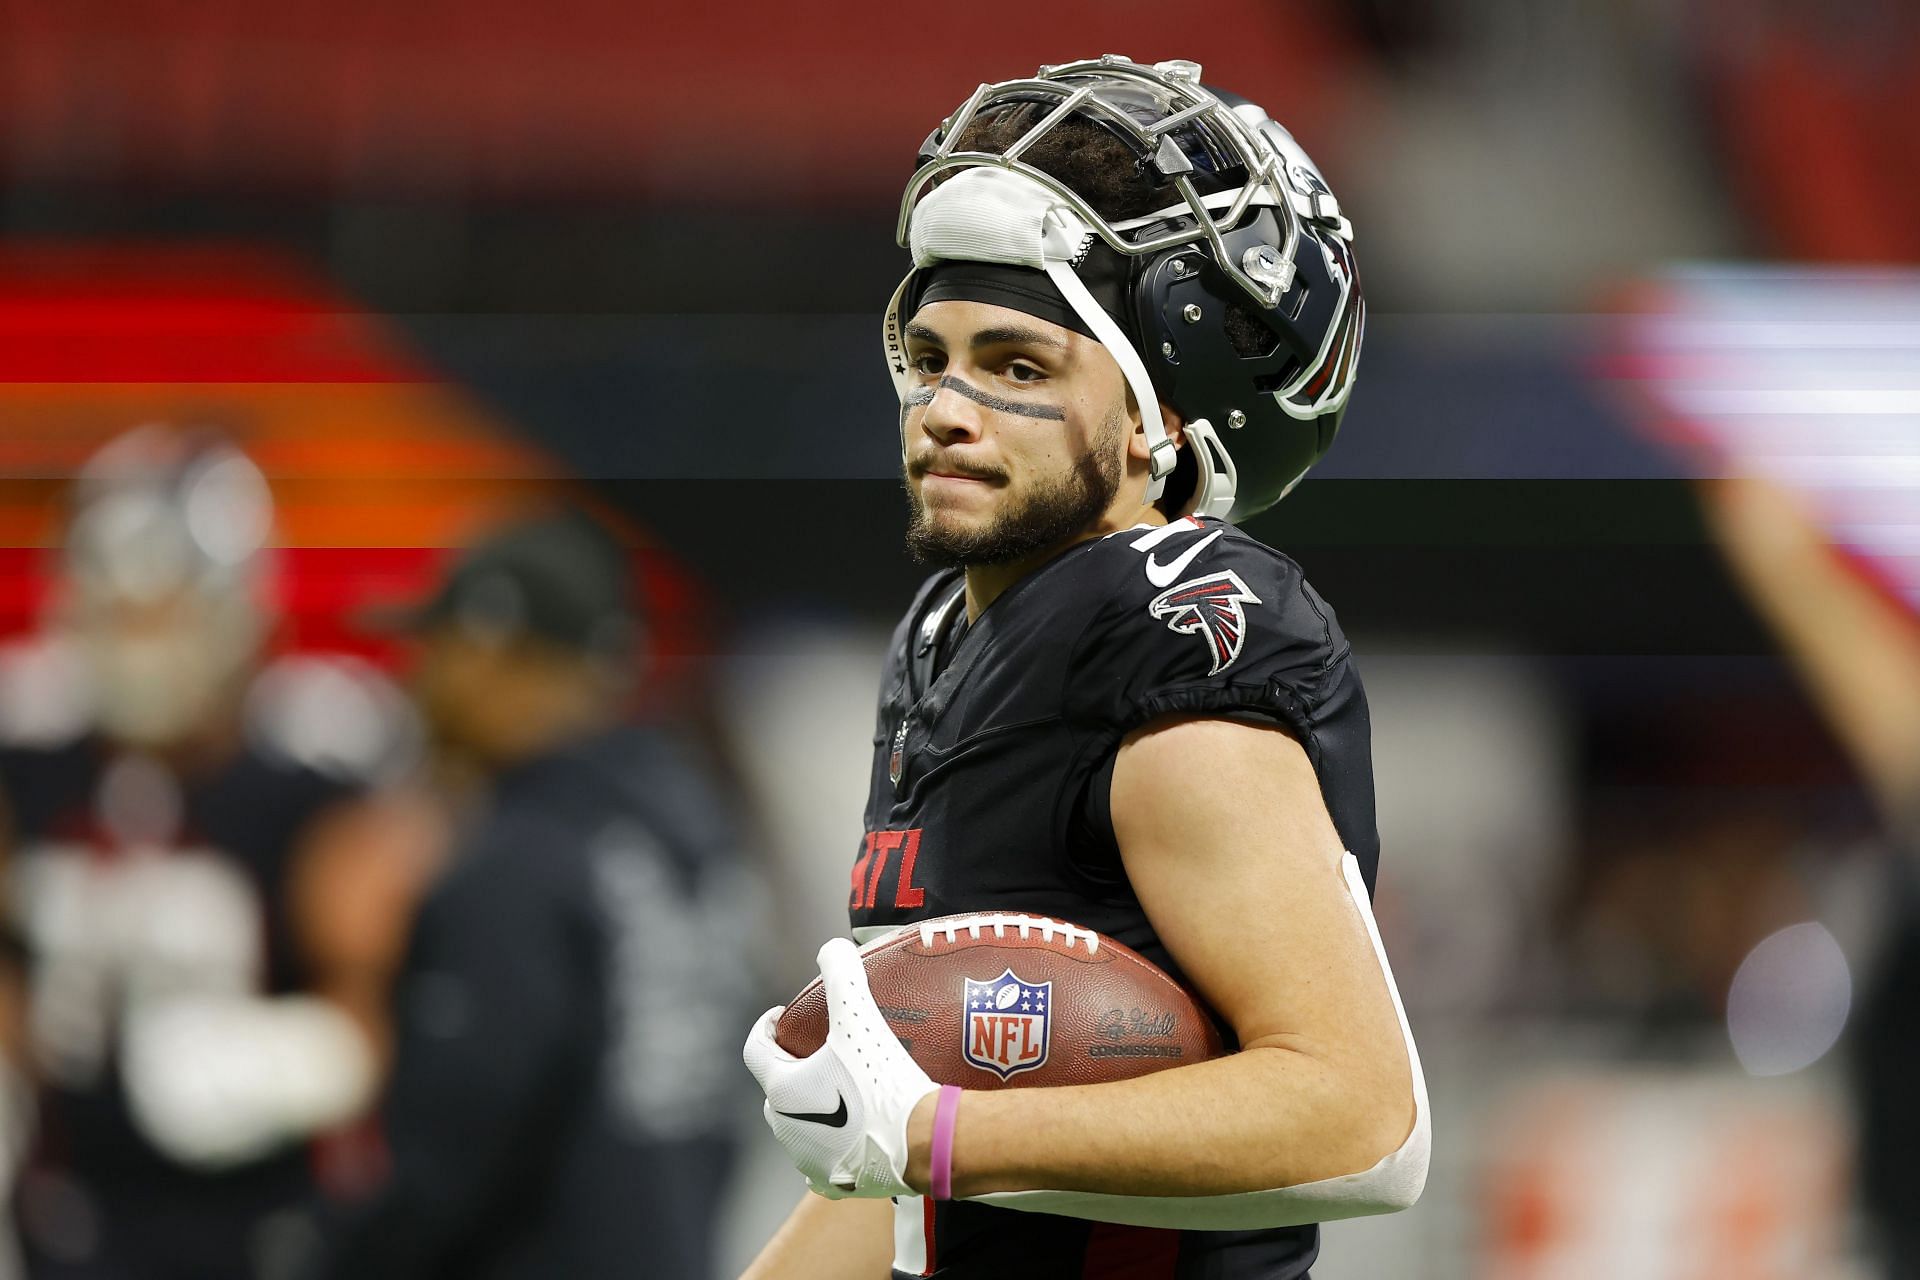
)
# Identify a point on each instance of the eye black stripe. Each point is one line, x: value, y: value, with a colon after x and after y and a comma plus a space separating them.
x: 1048, y: 412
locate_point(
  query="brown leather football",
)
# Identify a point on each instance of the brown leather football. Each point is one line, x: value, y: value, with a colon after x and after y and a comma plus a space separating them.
x: 1011, y: 1001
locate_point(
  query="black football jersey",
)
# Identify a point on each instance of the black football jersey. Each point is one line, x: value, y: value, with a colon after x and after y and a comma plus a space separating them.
x: 993, y: 758
x: 131, y: 883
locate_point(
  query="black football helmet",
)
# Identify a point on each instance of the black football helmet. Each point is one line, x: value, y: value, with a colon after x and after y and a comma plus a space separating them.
x: 1248, y: 228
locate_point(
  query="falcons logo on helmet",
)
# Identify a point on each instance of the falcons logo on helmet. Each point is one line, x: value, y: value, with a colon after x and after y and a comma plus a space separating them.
x: 1209, y: 607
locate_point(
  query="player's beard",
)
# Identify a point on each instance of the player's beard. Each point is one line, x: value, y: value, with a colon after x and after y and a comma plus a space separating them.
x: 1056, y: 511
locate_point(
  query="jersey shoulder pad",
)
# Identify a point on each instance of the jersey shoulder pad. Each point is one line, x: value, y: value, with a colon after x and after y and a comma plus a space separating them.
x: 910, y: 635
x: 933, y: 593
x: 1199, y: 616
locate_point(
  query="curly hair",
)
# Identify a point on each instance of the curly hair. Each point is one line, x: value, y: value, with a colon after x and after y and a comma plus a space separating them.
x: 1093, y: 161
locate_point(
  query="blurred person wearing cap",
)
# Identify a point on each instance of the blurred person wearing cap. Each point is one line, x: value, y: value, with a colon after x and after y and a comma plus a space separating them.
x: 572, y: 980
x: 161, y: 785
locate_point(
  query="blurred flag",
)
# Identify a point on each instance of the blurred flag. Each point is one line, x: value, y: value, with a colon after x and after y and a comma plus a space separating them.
x: 1809, y: 378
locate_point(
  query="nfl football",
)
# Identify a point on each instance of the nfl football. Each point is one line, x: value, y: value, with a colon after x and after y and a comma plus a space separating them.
x: 1012, y: 1001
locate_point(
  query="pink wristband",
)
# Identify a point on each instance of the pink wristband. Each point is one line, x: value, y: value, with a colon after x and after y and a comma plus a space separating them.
x: 945, y: 1112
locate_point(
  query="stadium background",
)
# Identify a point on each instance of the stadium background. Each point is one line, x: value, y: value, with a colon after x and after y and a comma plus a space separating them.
x: 421, y: 259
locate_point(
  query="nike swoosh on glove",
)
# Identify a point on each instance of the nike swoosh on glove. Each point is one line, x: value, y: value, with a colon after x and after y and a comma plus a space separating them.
x: 841, y: 1113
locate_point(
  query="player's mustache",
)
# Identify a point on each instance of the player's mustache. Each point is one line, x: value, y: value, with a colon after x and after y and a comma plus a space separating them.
x: 921, y: 464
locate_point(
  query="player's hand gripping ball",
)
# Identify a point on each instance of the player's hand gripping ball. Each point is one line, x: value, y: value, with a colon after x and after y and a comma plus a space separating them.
x: 980, y: 1001
x: 841, y: 1112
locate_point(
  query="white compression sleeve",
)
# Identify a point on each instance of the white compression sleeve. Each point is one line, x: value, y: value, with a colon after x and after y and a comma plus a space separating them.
x: 1392, y: 1184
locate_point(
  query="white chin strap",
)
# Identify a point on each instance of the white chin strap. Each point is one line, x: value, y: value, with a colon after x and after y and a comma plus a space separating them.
x: 1217, y: 478
x: 988, y: 214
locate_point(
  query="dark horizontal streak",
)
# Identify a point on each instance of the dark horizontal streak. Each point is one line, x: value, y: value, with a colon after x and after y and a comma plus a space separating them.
x: 1535, y: 567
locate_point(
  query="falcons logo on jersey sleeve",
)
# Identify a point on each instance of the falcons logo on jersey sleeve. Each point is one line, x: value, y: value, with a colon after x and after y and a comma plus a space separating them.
x: 1209, y: 607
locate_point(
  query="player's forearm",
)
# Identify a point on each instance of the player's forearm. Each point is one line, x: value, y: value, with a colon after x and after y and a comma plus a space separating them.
x: 1858, y: 653
x: 1263, y: 1118
x: 829, y: 1240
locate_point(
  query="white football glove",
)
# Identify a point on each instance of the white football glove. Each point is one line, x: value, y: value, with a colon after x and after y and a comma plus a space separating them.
x: 842, y: 1112
x: 214, y: 1082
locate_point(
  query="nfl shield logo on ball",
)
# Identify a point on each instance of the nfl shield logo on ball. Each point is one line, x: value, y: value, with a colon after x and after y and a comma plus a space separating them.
x: 1006, y: 1024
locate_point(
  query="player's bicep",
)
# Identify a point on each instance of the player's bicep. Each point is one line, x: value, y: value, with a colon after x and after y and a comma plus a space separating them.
x: 1231, y: 851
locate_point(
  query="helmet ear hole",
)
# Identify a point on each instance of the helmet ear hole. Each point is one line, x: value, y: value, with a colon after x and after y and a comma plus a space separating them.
x: 1268, y: 384
x: 1251, y: 337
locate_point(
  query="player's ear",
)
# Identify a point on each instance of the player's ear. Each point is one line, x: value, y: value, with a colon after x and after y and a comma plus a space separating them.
x: 1176, y: 428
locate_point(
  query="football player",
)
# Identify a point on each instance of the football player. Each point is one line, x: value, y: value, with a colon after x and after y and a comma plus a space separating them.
x: 1132, y: 321
x: 161, y: 791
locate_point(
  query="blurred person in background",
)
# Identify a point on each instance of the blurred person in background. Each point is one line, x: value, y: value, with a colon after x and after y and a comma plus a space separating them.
x: 1859, y: 654
x: 572, y: 980
x: 160, y: 789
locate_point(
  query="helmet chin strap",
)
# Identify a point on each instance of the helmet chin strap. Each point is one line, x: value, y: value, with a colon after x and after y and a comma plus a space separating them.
x: 1218, y: 480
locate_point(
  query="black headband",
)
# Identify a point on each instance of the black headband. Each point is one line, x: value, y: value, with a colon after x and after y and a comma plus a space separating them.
x: 1018, y: 288
x: 1028, y: 289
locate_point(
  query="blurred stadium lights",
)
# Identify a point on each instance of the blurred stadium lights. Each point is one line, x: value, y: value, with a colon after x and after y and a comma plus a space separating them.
x: 1789, y: 1000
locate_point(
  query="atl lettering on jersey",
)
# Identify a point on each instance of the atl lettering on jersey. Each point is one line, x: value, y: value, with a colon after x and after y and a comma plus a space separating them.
x: 902, y: 849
